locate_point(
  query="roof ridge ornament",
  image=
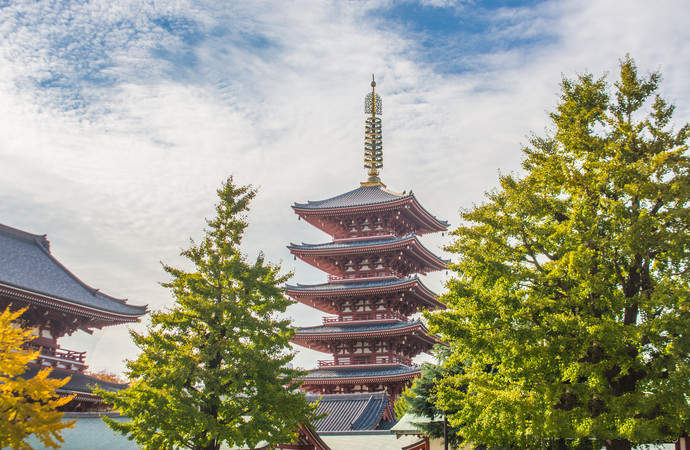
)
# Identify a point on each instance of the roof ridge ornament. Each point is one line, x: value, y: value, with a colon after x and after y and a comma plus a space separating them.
x: 373, y: 146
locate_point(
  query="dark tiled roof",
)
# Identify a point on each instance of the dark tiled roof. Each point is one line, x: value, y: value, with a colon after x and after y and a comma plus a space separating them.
x: 362, y: 372
x: 351, y: 285
x: 366, y: 195
x: 27, y: 263
x: 373, y: 244
x: 78, y: 382
x: 357, y: 327
x: 350, y: 244
x: 350, y: 412
x: 355, y: 285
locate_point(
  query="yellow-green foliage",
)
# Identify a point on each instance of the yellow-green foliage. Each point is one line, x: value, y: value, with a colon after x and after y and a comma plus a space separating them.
x: 213, y: 368
x: 569, y: 309
x: 26, y: 406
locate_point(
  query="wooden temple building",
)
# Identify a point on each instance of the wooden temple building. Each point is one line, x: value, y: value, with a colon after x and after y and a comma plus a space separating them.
x: 58, y: 304
x: 373, y: 286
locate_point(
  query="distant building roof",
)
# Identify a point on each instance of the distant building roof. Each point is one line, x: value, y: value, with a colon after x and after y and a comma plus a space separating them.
x: 408, y: 424
x: 79, y: 383
x: 27, y: 265
x: 353, y: 412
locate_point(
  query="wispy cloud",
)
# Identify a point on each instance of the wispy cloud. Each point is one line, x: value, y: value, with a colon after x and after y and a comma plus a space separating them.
x: 119, y: 120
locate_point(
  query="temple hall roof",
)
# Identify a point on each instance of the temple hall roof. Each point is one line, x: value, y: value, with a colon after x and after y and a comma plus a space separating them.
x: 28, y: 265
x: 351, y: 412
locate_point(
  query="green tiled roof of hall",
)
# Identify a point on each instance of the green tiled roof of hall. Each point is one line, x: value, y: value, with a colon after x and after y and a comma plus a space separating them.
x: 356, y: 285
x: 28, y: 265
x: 362, y: 196
x: 358, y: 327
x: 362, y: 372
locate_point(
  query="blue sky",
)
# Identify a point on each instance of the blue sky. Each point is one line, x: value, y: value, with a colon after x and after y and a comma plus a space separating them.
x: 120, y: 119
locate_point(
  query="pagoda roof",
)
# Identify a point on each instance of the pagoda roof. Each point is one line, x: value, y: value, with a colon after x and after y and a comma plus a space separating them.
x: 311, y: 253
x: 369, y: 372
x: 28, y: 270
x: 362, y: 196
x: 341, y: 328
x: 351, y: 412
x: 367, y: 245
x: 320, y: 295
x: 353, y: 244
x: 370, y: 198
x: 357, y: 287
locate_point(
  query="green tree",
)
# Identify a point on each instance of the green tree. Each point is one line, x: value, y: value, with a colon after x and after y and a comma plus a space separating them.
x: 570, y: 309
x: 27, y: 406
x: 420, y: 399
x: 213, y: 368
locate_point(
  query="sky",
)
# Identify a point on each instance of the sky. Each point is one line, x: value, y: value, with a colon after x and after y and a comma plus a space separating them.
x: 119, y: 120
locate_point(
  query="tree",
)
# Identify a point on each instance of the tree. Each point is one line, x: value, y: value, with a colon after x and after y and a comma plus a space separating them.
x: 570, y: 308
x: 27, y: 406
x: 213, y: 368
x: 420, y: 399
x: 105, y: 375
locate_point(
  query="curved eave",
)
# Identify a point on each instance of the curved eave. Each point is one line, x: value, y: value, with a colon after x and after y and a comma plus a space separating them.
x: 413, y: 286
x: 307, y: 380
x: 66, y: 305
x: 411, y: 244
x: 409, y: 202
x: 43, y: 245
x: 414, y: 331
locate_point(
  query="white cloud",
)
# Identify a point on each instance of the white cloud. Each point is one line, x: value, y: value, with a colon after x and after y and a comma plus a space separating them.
x: 120, y: 167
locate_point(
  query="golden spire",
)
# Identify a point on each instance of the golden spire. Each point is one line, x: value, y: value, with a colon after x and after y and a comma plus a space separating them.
x: 373, y: 147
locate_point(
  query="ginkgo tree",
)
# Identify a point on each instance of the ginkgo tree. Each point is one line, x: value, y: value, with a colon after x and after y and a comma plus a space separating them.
x: 213, y: 368
x: 570, y: 308
x: 28, y: 406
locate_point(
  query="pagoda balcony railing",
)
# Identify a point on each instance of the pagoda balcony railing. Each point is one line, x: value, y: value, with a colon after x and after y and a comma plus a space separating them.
x: 370, y: 315
x: 59, y: 359
x: 369, y: 360
x: 362, y: 276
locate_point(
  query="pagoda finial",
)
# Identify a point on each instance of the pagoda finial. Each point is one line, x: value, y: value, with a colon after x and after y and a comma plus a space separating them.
x: 373, y: 147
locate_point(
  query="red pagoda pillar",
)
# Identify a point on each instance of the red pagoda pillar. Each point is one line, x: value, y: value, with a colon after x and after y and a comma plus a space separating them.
x: 373, y: 285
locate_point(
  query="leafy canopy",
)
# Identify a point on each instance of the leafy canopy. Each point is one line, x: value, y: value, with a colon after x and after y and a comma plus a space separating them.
x: 27, y: 406
x: 570, y: 308
x: 213, y: 367
x: 420, y: 399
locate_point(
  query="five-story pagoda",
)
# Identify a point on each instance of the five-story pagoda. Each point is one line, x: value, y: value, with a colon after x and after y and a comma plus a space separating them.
x: 373, y: 286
